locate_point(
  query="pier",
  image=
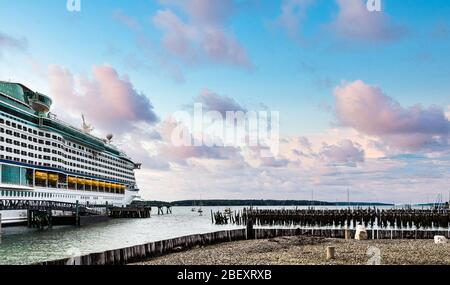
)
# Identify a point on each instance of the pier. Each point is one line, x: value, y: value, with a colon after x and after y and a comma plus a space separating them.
x: 41, y: 214
x: 129, y: 212
x: 370, y: 217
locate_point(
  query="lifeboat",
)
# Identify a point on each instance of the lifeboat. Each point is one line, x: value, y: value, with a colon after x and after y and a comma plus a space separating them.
x: 95, y: 183
x: 41, y: 175
x: 81, y: 181
x: 88, y: 182
x: 101, y: 184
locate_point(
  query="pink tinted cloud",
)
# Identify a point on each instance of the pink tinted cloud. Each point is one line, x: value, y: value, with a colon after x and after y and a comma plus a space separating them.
x: 169, y: 151
x: 345, y: 152
x: 109, y: 101
x: 204, y: 35
x: 355, y: 21
x: 368, y: 110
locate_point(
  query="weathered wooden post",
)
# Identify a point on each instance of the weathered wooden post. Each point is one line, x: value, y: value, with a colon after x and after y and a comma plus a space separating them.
x: 77, y: 214
x: 330, y: 252
x: 250, y: 232
x: 50, y: 218
x: 29, y: 218
x: 348, y: 234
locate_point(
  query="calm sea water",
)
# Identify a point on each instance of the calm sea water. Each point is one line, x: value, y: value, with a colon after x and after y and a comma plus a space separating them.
x: 20, y: 245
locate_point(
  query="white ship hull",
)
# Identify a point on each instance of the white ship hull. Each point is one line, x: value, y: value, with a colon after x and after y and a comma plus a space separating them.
x: 8, y: 192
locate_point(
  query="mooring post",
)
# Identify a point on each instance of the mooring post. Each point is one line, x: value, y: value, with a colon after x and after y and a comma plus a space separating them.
x: 0, y: 228
x: 250, y: 232
x: 49, y: 216
x: 29, y: 218
x: 77, y: 214
x: 330, y: 252
x: 347, y: 234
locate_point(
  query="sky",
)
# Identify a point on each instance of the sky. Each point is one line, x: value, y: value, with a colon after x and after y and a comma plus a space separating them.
x: 362, y: 95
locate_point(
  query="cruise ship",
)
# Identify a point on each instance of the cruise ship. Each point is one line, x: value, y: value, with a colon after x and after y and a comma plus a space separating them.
x: 44, y: 158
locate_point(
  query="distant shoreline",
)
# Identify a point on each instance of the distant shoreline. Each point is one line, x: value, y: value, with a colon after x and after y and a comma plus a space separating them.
x: 210, y: 203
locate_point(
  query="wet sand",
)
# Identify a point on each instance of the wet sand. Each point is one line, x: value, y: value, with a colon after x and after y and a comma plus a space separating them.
x: 311, y: 251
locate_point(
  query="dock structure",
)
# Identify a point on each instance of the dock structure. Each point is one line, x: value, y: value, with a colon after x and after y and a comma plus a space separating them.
x: 155, y: 204
x: 130, y: 212
x: 344, y: 218
x: 161, y: 209
x: 41, y: 214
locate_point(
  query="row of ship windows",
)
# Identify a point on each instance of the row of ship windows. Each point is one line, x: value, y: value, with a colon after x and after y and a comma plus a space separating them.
x: 5, y: 193
x: 31, y: 139
x: 114, y: 161
x: 17, y: 143
x: 31, y: 162
x: 55, y: 159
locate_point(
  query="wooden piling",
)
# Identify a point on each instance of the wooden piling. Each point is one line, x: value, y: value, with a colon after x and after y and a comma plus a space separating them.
x: 77, y: 213
x: 330, y: 252
x: 347, y: 234
x: 250, y: 233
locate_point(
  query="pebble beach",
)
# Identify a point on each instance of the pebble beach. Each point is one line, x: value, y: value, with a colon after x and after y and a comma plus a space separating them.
x: 299, y: 250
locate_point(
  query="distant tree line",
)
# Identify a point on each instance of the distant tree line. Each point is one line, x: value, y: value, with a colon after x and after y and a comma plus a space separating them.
x: 206, y: 203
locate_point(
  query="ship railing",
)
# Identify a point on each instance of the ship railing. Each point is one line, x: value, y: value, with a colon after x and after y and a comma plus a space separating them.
x: 53, y: 117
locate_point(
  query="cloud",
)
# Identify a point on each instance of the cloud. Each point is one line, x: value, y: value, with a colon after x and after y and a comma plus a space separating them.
x: 293, y: 14
x: 180, y: 154
x: 354, y: 21
x: 368, y: 110
x: 109, y: 101
x: 127, y: 20
x: 203, y: 36
x: 8, y: 42
x: 440, y: 31
x: 346, y: 152
x: 212, y: 101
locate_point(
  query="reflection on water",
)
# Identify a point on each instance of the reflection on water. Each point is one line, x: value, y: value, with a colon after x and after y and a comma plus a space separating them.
x: 20, y: 245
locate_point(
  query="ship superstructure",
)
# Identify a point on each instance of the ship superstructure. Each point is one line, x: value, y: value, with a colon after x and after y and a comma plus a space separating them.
x: 44, y: 158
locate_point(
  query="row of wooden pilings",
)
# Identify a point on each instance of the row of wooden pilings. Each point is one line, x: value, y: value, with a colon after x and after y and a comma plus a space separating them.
x: 146, y: 251
x: 369, y: 217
